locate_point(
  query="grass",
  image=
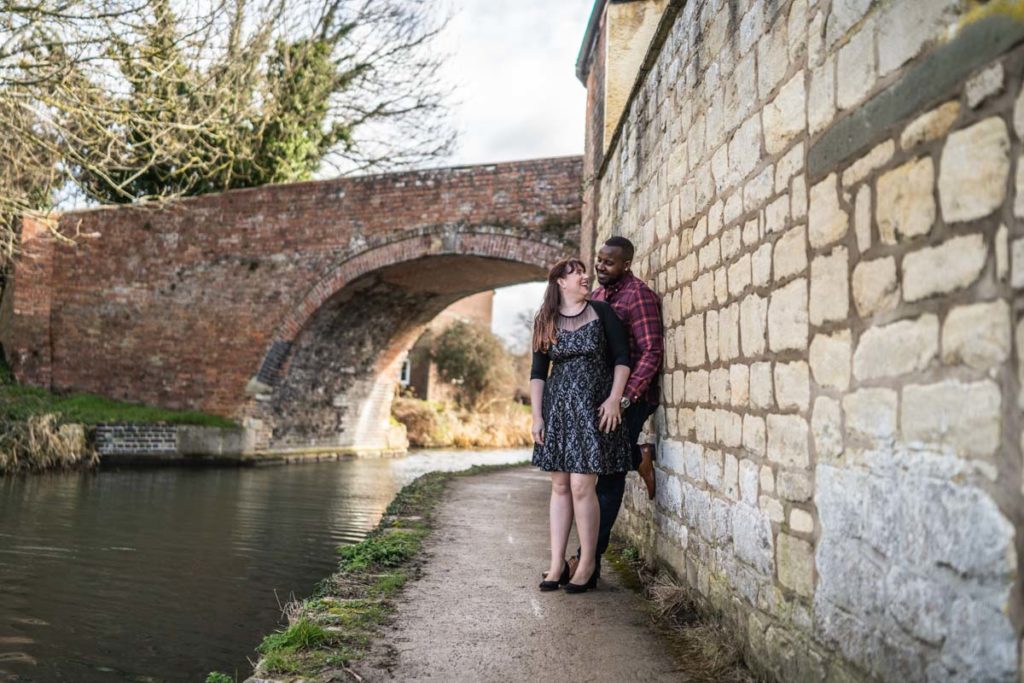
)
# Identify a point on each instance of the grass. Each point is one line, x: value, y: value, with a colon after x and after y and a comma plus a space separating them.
x: 340, y: 624
x: 705, y: 650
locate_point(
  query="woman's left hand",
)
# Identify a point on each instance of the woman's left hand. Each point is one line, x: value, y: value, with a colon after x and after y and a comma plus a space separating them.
x: 609, y: 415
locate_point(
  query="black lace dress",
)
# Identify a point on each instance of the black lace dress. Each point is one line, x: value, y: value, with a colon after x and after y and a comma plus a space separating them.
x: 582, y: 359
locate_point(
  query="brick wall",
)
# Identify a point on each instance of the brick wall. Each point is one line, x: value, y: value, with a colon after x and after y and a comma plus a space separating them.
x: 828, y: 195
x: 182, y: 306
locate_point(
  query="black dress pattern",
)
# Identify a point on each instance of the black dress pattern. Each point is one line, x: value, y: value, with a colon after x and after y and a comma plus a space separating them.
x: 580, y: 381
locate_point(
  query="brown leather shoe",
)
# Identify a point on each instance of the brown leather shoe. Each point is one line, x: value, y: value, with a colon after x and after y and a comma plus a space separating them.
x: 646, y: 468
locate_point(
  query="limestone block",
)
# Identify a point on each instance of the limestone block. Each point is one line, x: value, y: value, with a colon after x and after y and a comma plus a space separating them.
x: 830, y: 287
x: 977, y: 335
x: 1018, y: 202
x: 896, y: 349
x: 761, y: 265
x: 790, y: 253
x: 875, y: 288
x: 762, y: 394
x: 670, y: 456
x: 1020, y: 367
x: 693, y: 460
x: 844, y: 14
x: 733, y: 208
x: 784, y: 117
x: 973, y: 171
x: 767, y: 479
x: 739, y: 95
x: 705, y: 426
x: 703, y: 289
x: 792, y: 385
x: 751, y: 231
x: 855, y: 67
x: 718, y: 381
x: 931, y: 125
x: 826, y: 426
x: 827, y: 222
x: 713, y: 222
x: 686, y: 421
x: 964, y: 416
x: 776, y: 216
x: 787, y: 317
x: 1002, y: 254
x: 758, y: 189
x: 860, y: 169
x: 687, y: 268
x: 693, y: 341
x: 773, y: 508
x: 729, y: 428
x: 794, y: 485
x: 713, y: 468
x: 678, y: 386
x: 905, y: 28
x: 739, y: 384
x: 1017, y: 259
x: 745, y: 147
x: 798, y: 198
x: 739, y: 275
x: 729, y: 332
x: 954, y: 264
x: 830, y: 360
x: 795, y: 562
x: 906, y: 207
x: 710, y: 254
x: 870, y: 413
x: 862, y: 218
x: 731, y: 242
x: 754, y: 435
x: 797, y: 29
x: 698, y: 387
x: 801, y: 521
x: 748, y: 481
x: 752, y: 27
x: 752, y: 536
x: 984, y: 84
x: 753, y: 322
x: 730, y: 477
x: 788, y: 166
x: 787, y: 440
x: 721, y: 285
x: 821, y: 99
x: 685, y: 302
x: 711, y: 323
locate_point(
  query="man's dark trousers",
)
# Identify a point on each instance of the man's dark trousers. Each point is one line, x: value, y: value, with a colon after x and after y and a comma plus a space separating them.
x: 611, y: 487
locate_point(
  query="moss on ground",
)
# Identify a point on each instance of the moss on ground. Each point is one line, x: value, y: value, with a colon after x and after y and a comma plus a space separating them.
x: 339, y: 624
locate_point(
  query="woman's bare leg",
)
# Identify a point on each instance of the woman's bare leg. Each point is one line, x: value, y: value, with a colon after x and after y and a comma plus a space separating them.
x: 560, y: 512
x: 588, y: 518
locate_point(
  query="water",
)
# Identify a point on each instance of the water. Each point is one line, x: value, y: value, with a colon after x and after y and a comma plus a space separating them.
x: 168, y: 574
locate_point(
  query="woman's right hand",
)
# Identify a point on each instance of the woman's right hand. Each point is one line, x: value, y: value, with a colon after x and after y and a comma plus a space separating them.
x: 538, y: 431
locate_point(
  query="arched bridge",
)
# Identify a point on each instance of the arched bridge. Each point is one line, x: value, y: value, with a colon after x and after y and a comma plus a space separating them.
x: 285, y: 307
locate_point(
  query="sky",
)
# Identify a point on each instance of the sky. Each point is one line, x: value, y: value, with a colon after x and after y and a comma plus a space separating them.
x: 513, y: 64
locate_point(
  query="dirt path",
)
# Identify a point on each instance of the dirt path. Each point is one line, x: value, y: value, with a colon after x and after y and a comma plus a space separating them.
x: 476, y: 613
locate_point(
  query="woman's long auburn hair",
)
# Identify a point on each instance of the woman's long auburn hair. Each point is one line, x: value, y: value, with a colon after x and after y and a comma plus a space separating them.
x: 545, y: 330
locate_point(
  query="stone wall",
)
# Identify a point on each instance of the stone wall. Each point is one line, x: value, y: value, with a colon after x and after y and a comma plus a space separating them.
x: 827, y: 195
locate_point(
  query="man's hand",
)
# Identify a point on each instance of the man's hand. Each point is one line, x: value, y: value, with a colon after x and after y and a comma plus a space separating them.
x: 538, y: 431
x: 609, y: 415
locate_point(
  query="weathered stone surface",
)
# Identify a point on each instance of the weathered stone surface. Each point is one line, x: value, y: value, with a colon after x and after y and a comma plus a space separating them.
x: 795, y: 562
x: 761, y: 392
x: 697, y: 386
x: 879, y: 156
x: 844, y: 14
x: 773, y: 508
x: 984, y: 84
x: 898, y: 348
x: 693, y: 460
x: 862, y: 218
x: 693, y: 341
x: 821, y: 98
x: 870, y: 413
x: 703, y: 289
x: 794, y: 485
x: 713, y: 468
x: 1002, y: 248
x: 761, y: 265
x: 855, y: 67
x: 930, y: 126
x: 1017, y: 267
x: 729, y: 332
x: 1020, y: 368
x: 792, y: 385
x: 758, y: 189
x: 966, y: 417
x: 787, y: 317
x: 739, y: 384
x: 973, y: 170
x: 670, y: 456
x: 827, y: 222
x: 830, y: 287
x: 753, y: 324
x: 718, y: 383
x: 730, y: 478
x: 790, y: 253
x: 772, y: 58
x: 748, y: 482
x: 826, y: 425
x: 752, y: 536
x: 904, y: 29
x: 776, y: 216
x: 829, y: 358
x: 977, y: 335
x: 788, y: 166
x: 875, y: 287
x: 954, y: 264
x: 754, y: 435
x: 728, y: 428
x: 784, y: 117
x: 801, y: 521
x: 906, y: 207
x: 745, y: 149
x: 711, y: 337
x: 739, y: 275
x: 767, y: 479
x: 787, y: 440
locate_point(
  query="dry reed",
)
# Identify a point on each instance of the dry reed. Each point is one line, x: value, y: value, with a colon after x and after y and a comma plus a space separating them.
x: 40, y: 442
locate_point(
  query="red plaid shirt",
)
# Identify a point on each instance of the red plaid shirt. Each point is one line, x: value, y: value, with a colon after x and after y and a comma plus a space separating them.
x: 639, y: 309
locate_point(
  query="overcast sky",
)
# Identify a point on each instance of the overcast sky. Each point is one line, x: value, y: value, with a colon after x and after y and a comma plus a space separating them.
x: 513, y: 63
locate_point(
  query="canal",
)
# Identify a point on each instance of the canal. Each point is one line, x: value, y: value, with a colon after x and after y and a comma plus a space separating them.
x: 166, y: 574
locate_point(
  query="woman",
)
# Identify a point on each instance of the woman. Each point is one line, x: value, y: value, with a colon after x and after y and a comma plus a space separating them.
x: 577, y: 427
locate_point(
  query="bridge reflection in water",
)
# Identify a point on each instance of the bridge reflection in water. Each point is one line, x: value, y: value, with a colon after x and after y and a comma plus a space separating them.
x: 167, y: 574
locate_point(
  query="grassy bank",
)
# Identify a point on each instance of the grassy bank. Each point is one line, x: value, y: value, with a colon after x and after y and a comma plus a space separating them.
x: 339, y: 624
x: 42, y: 430
x: 429, y: 424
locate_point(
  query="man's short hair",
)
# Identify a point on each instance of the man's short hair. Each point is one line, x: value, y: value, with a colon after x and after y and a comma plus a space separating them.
x: 622, y: 243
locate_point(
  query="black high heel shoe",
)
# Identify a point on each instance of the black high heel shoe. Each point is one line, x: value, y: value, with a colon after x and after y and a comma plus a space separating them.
x: 591, y: 584
x: 563, y: 579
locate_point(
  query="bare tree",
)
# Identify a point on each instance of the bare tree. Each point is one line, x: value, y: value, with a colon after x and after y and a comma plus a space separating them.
x: 117, y: 101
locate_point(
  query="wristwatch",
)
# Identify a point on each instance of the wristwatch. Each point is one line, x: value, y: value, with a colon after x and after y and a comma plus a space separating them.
x: 624, y: 402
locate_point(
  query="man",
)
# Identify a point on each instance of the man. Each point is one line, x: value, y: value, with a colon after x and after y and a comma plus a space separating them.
x: 639, y: 309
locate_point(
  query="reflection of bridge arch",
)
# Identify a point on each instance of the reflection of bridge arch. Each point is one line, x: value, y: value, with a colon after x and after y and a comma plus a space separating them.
x: 328, y: 376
